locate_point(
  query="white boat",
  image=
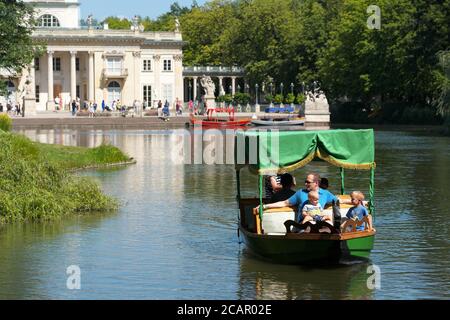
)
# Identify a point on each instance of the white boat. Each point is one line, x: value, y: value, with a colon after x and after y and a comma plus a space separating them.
x: 279, y: 122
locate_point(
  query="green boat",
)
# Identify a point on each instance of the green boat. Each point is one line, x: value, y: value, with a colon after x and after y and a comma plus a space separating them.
x: 267, y: 232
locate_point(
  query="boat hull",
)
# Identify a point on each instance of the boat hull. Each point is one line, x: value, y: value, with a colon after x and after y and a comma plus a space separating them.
x: 261, y: 122
x: 295, y: 250
x: 220, y: 123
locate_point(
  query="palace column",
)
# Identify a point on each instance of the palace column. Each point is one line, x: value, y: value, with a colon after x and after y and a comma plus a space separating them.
x: 136, y: 76
x: 233, y: 85
x: 91, y: 81
x: 221, y: 91
x: 157, y: 89
x: 195, y: 88
x: 179, y: 84
x: 73, y: 76
x: 50, y: 100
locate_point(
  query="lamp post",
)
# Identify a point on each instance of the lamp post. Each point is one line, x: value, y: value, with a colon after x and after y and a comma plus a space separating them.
x: 303, y: 87
x: 271, y: 85
x: 256, y: 98
x: 292, y: 88
x: 239, y: 88
x: 281, y: 88
x: 247, y: 88
x: 230, y: 89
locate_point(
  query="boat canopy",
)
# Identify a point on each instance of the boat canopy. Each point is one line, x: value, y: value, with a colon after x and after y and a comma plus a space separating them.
x: 268, y: 152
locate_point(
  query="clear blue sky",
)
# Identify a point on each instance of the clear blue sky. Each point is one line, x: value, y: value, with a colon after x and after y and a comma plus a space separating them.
x: 101, y: 9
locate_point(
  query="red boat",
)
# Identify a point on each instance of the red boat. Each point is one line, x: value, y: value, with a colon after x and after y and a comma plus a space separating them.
x: 216, y: 122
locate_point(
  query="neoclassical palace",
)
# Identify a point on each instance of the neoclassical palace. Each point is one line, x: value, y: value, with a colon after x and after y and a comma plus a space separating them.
x: 100, y: 64
x: 96, y: 64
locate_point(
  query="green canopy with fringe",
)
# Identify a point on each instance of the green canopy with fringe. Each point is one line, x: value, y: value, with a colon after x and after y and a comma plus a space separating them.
x: 283, y: 151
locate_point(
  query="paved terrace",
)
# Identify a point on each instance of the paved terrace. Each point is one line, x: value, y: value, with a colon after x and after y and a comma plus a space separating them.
x: 64, y: 119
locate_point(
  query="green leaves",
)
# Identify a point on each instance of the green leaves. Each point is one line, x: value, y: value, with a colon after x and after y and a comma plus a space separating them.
x: 16, y: 25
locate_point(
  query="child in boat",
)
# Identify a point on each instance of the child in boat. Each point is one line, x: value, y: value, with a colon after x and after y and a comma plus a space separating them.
x: 358, y: 211
x: 312, y: 210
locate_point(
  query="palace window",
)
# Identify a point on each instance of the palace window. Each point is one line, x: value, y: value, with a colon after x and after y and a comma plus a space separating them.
x: 113, y: 92
x: 77, y: 64
x: 56, y: 64
x: 37, y: 93
x: 114, y: 65
x: 48, y: 21
x: 167, y: 65
x: 147, y: 94
x: 36, y: 64
x: 167, y: 92
x: 147, y: 65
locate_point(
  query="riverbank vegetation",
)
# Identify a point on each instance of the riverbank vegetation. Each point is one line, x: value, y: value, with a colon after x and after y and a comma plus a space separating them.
x: 36, y: 185
x: 387, y: 75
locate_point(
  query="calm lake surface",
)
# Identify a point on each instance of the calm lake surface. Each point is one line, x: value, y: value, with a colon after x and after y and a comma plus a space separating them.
x: 174, y: 237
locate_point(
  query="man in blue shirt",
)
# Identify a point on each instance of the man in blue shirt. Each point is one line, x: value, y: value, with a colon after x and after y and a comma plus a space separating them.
x: 301, y: 196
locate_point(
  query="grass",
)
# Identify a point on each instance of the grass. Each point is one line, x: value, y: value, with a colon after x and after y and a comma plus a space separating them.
x: 35, y: 182
x: 77, y: 157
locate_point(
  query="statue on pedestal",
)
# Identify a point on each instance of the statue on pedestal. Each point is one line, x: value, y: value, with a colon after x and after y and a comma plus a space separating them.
x: 208, y: 85
x: 177, y: 25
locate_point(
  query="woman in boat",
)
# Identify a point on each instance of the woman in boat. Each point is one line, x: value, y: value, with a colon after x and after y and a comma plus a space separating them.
x: 324, y: 183
x: 301, y: 196
x: 272, y: 185
x: 287, y: 182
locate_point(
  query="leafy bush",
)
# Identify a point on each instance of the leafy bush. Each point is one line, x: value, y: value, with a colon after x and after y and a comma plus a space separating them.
x: 301, y: 98
x: 278, y: 98
x: 242, y: 98
x: 228, y: 98
x: 269, y: 98
x: 5, y: 122
x: 290, y: 97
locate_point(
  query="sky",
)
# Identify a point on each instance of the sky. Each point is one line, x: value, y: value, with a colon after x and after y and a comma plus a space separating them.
x: 101, y: 9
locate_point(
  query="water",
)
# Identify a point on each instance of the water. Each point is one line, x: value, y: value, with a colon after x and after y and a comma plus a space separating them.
x: 175, y: 237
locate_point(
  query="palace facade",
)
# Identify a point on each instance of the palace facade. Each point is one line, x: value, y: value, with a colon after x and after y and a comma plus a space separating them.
x: 95, y: 64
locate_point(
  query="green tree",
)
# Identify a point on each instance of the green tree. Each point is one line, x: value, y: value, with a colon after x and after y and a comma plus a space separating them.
x: 118, y: 23
x: 262, y: 38
x: 394, y: 64
x: 204, y: 28
x: 17, y: 49
x: 442, y: 100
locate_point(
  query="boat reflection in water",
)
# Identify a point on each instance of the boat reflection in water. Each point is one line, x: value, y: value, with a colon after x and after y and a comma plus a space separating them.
x: 269, y: 281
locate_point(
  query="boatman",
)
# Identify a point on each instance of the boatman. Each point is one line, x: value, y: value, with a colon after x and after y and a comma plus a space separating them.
x: 301, y: 196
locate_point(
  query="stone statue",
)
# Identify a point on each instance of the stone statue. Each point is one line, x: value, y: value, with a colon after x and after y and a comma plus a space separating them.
x: 208, y: 85
x: 177, y: 25
x: 89, y: 20
x: 27, y: 85
x: 136, y: 23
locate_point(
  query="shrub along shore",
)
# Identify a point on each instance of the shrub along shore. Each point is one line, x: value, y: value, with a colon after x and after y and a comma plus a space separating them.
x: 36, y: 183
